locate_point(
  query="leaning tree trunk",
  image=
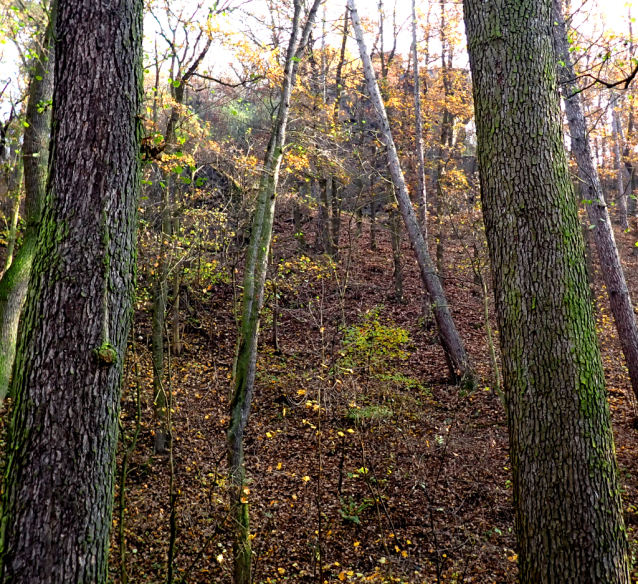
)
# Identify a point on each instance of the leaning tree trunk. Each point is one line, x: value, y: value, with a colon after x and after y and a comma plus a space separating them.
x: 567, y: 504
x: 460, y: 366
x: 253, y: 298
x: 592, y: 193
x: 58, y: 491
x: 35, y: 155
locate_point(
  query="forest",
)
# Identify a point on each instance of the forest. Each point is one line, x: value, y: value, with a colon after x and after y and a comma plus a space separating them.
x: 318, y: 291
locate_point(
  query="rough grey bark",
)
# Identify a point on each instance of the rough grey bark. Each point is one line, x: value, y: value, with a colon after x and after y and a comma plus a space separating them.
x: 255, y: 272
x: 35, y: 156
x: 58, y: 491
x: 450, y: 339
x: 567, y: 504
x: 592, y: 193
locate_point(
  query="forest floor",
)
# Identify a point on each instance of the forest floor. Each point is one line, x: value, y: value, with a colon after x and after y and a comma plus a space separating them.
x: 364, y: 463
x: 398, y: 476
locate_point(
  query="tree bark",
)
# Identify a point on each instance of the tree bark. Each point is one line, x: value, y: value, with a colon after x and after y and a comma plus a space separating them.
x: 58, y: 492
x: 567, y: 504
x: 35, y: 155
x: 592, y: 194
x: 460, y: 366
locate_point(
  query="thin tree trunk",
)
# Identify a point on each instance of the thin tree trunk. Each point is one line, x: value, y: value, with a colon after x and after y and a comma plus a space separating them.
x: 58, y: 492
x: 450, y: 339
x: 160, y: 283
x: 254, y: 281
x: 592, y: 194
x: 176, y: 345
x: 335, y: 204
x: 14, y: 184
x: 395, y: 238
x: 373, y: 217
x: 35, y: 155
x: 297, y: 218
x: 160, y: 294
x: 444, y: 140
x: 567, y: 505
x: 620, y: 185
x: 326, y: 198
x: 418, y: 130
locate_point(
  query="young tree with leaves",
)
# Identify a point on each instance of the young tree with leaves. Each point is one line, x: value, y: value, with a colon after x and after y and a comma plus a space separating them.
x: 255, y: 273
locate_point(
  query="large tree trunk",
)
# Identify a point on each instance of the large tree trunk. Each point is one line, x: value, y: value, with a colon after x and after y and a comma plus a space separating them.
x: 58, y: 494
x: 450, y: 338
x: 254, y: 281
x: 592, y: 193
x: 35, y: 155
x: 567, y: 504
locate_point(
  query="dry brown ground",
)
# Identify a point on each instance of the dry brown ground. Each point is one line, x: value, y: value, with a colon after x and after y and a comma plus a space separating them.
x: 422, y: 472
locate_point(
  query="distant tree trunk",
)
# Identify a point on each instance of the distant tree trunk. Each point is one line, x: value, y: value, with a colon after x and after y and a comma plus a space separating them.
x: 35, y: 156
x: 460, y: 366
x: 567, y: 504
x: 254, y: 281
x: 622, y: 197
x: 395, y: 238
x: 297, y: 219
x: 160, y: 296
x: 373, y: 217
x: 632, y: 208
x: 418, y: 130
x: 170, y: 227
x: 58, y: 491
x: 326, y: 201
x: 445, y: 140
x: 336, y: 203
x: 592, y: 193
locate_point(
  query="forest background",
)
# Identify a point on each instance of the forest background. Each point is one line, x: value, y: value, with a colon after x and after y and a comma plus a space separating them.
x: 365, y: 461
